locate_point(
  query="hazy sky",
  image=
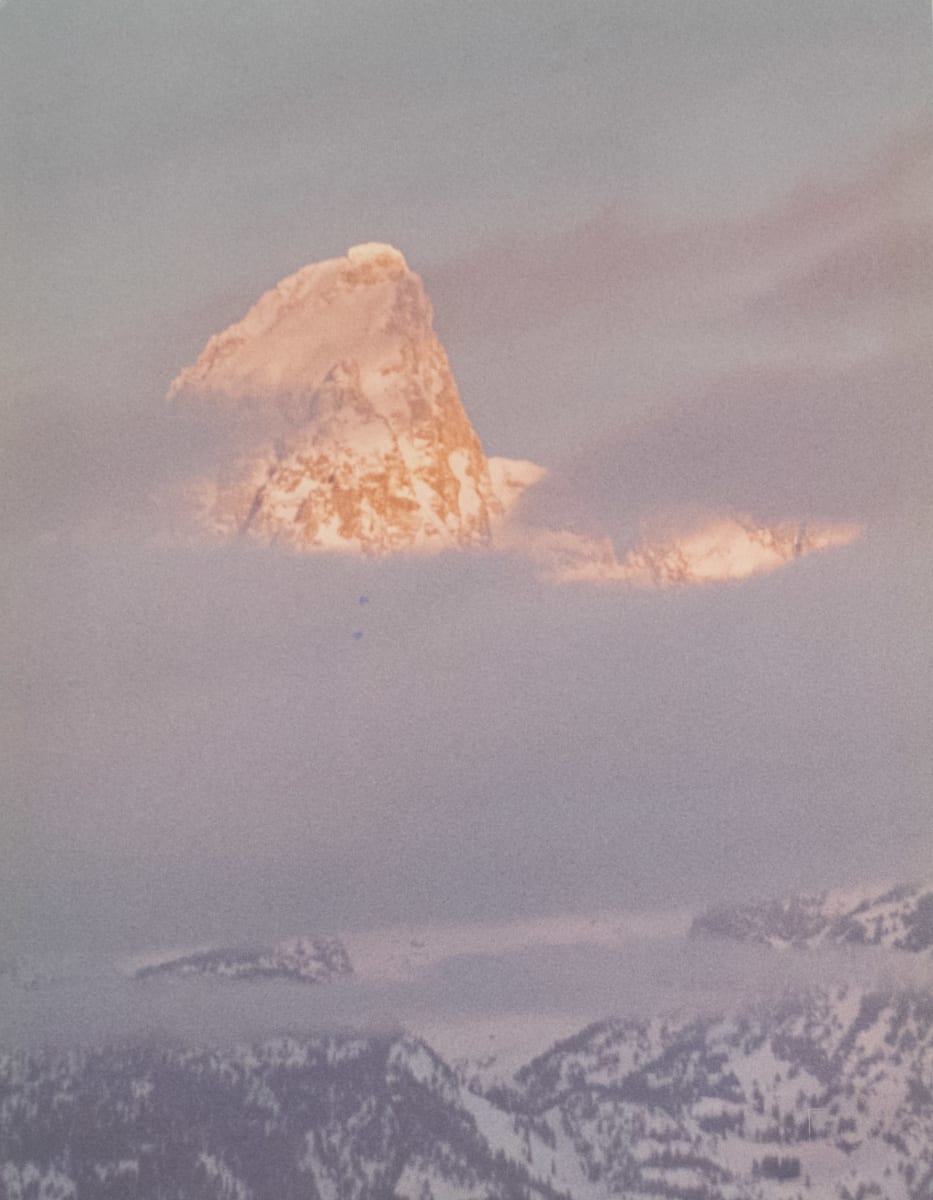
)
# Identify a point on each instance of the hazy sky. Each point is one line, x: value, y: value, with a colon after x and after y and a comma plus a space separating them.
x: 679, y: 254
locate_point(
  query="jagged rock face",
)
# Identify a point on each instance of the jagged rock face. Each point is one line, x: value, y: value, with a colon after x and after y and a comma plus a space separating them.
x: 374, y: 451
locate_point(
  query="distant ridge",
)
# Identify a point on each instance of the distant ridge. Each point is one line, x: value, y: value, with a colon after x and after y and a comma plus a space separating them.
x: 895, y: 918
x: 308, y: 960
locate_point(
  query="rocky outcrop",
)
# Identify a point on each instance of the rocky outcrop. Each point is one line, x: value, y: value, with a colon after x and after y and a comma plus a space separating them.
x: 373, y: 450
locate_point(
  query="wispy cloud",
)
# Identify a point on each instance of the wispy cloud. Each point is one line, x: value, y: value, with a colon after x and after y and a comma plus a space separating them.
x: 813, y: 405
x: 623, y: 264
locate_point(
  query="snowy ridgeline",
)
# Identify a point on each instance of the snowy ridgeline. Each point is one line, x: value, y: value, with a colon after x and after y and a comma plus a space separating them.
x: 309, y: 960
x: 819, y: 1096
x: 826, y: 1093
x: 899, y: 918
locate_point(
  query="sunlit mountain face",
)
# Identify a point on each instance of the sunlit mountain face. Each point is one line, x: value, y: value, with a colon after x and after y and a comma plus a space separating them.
x: 369, y: 448
x: 366, y: 448
x: 715, y: 552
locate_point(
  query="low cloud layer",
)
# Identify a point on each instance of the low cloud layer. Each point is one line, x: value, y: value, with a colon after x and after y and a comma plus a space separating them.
x: 206, y: 751
x: 571, y: 985
x: 203, y: 749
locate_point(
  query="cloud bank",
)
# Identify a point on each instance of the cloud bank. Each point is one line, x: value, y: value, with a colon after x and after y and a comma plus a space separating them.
x: 201, y: 748
x: 573, y: 985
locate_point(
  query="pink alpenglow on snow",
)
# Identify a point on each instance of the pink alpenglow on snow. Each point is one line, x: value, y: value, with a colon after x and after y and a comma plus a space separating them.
x: 377, y: 453
x: 367, y: 447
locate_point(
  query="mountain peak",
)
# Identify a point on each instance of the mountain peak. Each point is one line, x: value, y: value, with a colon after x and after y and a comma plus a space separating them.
x: 369, y: 448
x: 364, y: 445
x: 358, y: 309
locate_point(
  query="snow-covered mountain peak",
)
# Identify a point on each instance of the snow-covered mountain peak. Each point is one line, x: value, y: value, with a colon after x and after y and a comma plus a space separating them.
x: 363, y: 309
x: 362, y: 443
x: 369, y: 448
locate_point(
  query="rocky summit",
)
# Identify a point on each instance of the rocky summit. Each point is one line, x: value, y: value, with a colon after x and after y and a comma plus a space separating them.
x: 369, y: 447
x: 353, y: 438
